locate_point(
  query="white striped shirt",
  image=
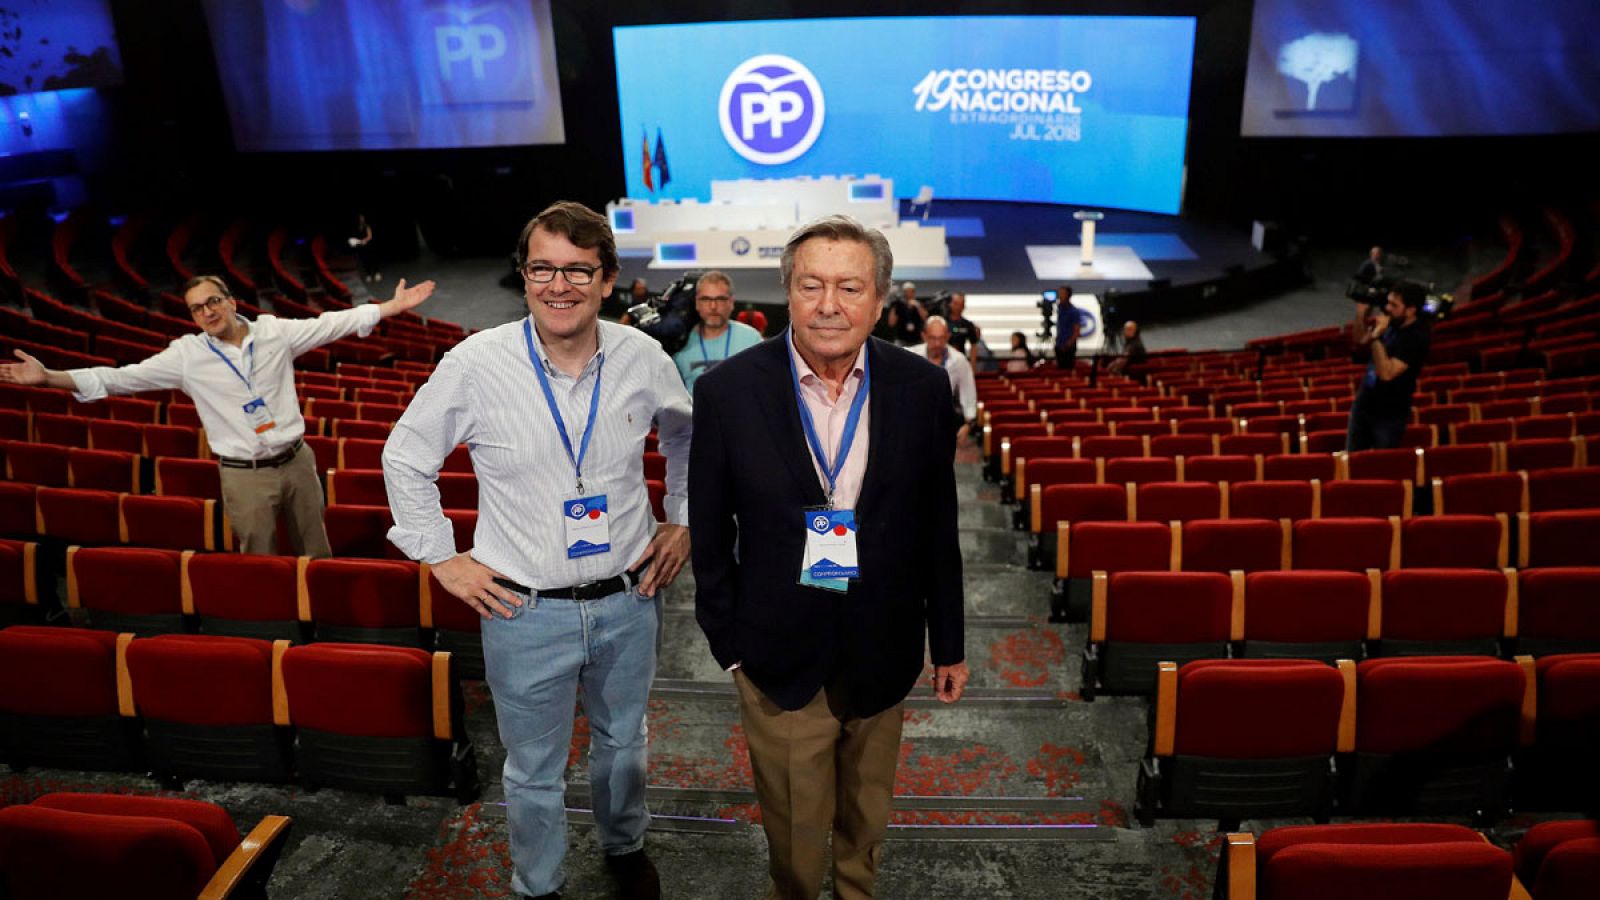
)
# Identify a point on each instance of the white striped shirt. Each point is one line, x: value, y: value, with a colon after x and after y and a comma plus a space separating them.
x: 486, y: 394
x: 188, y: 364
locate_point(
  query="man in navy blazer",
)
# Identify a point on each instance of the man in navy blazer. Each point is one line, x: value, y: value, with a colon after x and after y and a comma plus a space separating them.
x: 822, y: 511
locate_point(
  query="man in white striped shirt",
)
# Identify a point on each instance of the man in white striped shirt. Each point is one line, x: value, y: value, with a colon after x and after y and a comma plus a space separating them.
x: 240, y: 375
x: 567, y: 560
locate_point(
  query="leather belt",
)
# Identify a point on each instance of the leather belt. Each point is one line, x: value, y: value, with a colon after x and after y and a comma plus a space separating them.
x: 271, y: 462
x: 589, y: 590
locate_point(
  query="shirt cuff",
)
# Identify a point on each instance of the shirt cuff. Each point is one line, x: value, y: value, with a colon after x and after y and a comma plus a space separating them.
x: 88, y: 387
x: 370, y: 318
x: 422, y: 546
x: 676, y: 508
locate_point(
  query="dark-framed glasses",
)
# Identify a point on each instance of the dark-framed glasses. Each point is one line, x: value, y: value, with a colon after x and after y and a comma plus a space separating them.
x: 207, y: 305
x: 544, y: 273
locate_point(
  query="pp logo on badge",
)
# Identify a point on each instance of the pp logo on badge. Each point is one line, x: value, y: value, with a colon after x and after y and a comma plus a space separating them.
x: 576, y: 510
x: 820, y: 524
x: 771, y: 109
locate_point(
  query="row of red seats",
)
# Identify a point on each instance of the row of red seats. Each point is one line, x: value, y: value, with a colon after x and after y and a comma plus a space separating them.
x: 1141, y: 617
x: 361, y: 717
x: 1268, y: 738
x: 1557, y: 860
x: 98, y: 845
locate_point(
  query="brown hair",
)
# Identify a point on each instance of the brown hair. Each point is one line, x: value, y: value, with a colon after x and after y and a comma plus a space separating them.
x: 585, y: 228
x: 198, y: 280
x: 842, y: 228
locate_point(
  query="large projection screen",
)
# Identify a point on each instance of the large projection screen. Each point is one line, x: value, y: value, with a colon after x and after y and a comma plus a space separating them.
x: 1422, y: 68
x: 387, y: 74
x: 1084, y: 110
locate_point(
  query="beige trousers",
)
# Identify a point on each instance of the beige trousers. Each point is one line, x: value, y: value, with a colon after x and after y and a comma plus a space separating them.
x: 253, y: 499
x: 816, y: 770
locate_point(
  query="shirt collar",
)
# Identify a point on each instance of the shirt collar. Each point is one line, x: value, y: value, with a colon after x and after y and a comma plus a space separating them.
x: 544, y: 356
x: 249, y: 336
x: 808, y: 376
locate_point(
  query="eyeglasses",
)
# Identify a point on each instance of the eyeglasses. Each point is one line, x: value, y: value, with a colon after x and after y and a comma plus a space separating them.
x: 577, y: 276
x: 713, y: 298
x: 206, y: 305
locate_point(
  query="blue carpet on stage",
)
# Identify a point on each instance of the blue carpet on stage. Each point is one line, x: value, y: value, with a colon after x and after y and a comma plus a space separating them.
x: 961, y: 268
x: 1150, y: 245
x: 958, y: 226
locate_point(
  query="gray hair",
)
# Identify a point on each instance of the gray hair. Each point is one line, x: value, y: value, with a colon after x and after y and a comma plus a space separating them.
x: 935, y: 320
x: 716, y: 275
x: 842, y: 228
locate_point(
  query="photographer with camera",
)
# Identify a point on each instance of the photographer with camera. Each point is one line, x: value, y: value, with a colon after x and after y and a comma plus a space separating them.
x: 905, y: 316
x: 717, y: 337
x: 1398, y: 338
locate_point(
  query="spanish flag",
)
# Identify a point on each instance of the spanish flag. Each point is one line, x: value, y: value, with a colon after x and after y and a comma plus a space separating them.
x: 649, y: 164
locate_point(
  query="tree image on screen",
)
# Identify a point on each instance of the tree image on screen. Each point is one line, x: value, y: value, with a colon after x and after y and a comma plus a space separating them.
x: 1316, y: 59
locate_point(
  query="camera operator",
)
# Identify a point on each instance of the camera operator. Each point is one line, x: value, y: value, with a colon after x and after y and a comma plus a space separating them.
x: 1398, y: 340
x: 905, y: 316
x: 962, y: 331
x: 717, y: 337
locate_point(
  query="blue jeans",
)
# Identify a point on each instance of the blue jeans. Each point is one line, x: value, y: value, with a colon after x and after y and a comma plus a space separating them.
x: 1372, y: 431
x: 536, y: 660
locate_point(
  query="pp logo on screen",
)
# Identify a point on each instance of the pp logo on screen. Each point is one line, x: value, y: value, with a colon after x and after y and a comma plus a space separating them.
x: 465, y: 39
x: 771, y: 109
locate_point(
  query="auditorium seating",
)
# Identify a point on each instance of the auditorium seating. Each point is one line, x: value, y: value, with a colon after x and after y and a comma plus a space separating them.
x: 1351, y: 544
x: 1138, y: 619
x: 174, y: 523
x: 1559, y: 860
x: 457, y: 630
x: 75, y: 516
x: 109, y: 845
x: 61, y: 700
x: 208, y: 708
x: 1557, y: 538
x: 20, y: 583
x: 1445, y: 612
x: 1558, y: 611
x: 1373, y: 861
x: 1292, y: 500
x: 1558, y: 771
x: 383, y: 720
x: 1056, y: 504
x: 1451, y: 541
x: 243, y: 595
x: 362, y: 601
x: 1309, y: 614
x: 188, y: 478
x: 1434, y: 736
x: 1246, y: 739
x: 1177, y: 501
x: 1089, y: 547
x: 127, y: 589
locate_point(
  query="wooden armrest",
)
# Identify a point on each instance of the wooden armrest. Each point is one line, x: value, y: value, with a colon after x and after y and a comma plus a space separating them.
x: 259, y: 848
x: 1241, y: 850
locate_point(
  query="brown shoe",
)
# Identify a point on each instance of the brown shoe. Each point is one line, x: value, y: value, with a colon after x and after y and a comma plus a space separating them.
x: 635, y: 875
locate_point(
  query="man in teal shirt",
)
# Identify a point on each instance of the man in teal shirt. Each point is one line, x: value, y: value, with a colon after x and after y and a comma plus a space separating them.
x: 718, y: 336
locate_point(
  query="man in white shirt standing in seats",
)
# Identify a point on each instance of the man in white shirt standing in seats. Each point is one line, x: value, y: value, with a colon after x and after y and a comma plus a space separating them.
x: 936, y: 348
x: 718, y: 336
x: 567, y: 561
x: 240, y: 375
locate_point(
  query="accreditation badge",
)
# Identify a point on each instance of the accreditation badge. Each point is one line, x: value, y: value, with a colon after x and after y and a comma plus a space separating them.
x: 830, y: 555
x: 588, y: 526
x: 260, y: 419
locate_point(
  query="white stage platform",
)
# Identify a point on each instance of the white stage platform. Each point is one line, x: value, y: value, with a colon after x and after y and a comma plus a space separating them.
x: 1064, y: 262
x: 762, y: 248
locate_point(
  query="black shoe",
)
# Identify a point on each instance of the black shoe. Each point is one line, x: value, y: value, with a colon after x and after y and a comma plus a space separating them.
x: 635, y: 875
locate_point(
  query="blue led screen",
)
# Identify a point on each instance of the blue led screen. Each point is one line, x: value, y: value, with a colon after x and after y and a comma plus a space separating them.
x: 1087, y: 110
x: 1422, y: 68
x: 387, y: 74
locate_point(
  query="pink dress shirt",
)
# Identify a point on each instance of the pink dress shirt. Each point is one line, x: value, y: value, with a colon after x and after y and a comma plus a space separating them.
x: 829, y: 415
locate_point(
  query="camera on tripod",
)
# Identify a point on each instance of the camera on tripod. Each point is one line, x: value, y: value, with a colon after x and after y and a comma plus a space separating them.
x: 669, y: 316
x: 1047, y: 313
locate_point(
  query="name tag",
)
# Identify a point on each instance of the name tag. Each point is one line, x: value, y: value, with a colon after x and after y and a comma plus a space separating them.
x: 256, y: 413
x: 830, y: 555
x: 588, y: 526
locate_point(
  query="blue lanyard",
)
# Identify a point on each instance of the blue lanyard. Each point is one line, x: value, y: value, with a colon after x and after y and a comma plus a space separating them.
x: 555, y: 412
x: 851, y: 421
x: 727, y: 344
x: 248, y: 381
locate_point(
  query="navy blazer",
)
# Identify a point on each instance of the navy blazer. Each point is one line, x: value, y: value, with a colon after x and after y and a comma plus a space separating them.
x: 751, y: 478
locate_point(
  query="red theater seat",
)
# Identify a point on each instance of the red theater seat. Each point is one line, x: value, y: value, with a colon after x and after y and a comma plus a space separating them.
x: 173, y: 523
x: 378, y: 719
x: 1245, y: 738
x: 1552, y: 453
x: 189, y: 478
x: 38, y: 464
x: 59, y: 700
x: 1559, y: 538
x: 1484, y: 494
x: 1309, y: 614
x: 1378, y: 861
x: 1561, y: 860
x: 1468, y: 459
x: 359, y: 530
x: 207, y: 707
x: 1140, y: 470
x: 243, y: 595
x: 1366, y: 497
x: 456, y: 628
x: 18, y: 517
x: 115, y: 845
x: 20, y: 583
x: 1250, y: 444
x: 60, y: 430
x: 78, y: 516
x: 1300, y: 467
x: 1089, y: 547
x: 1138, y: 619
x: 1217, y: 469
x: 1434, y: 736
x: 1227, y: 545
x: 109, y: 434
x: 103, y: 470
x: 1185, y: 445
x: 1177, y: 501
x: 171, y: 440
x: 363, y: 601
x: 1349, y: 545
x: 127, y: 589
x: 1455, y: 542
x: 1550, y: 489
x: 1071, y: 503
x: 1558, y: 610
x: 1444, y: 612
x: 1292, y: 500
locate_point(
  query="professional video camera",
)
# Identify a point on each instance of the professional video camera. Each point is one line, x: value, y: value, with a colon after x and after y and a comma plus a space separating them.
x: 938, y: 305
x: 669, y: 316
x: 1047, y: 313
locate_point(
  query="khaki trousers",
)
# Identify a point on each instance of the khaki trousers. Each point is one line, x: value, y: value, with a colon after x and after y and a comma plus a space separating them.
x: 818, y: 769
x: 254, y: 499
